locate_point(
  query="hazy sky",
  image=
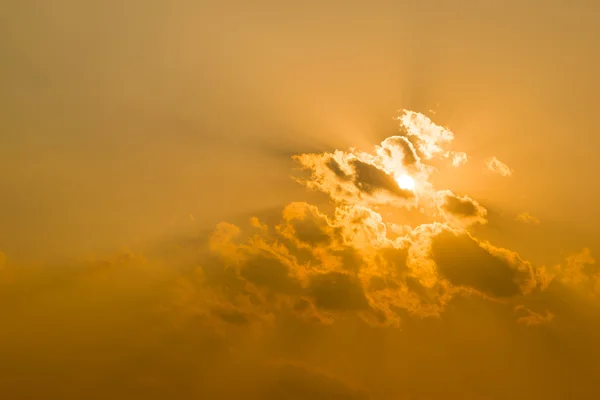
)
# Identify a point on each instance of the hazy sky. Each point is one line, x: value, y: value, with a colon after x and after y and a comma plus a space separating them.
x: 130, y: 129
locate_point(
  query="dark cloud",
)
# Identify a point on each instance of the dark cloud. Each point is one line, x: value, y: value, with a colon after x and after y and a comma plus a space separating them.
x: 370, y: 179
x: 394, y: 258
x: 461, y: 207
x: 269, y: 272
x: 460, y: 210
x: 464, y: 262
x: 309, y: 226
x: 425, y: 295
x: 338, y: 291
x: 334, y: 166
x: 303, y: 254
x: 350, y: 258
x: 216, y: 275
x: 310, y: 232
x: 378, y: 283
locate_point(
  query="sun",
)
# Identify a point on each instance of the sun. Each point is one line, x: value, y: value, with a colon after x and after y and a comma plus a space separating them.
x: 406, y: 182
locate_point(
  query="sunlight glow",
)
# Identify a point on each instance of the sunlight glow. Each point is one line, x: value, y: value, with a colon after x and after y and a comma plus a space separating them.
x: 406, y: 182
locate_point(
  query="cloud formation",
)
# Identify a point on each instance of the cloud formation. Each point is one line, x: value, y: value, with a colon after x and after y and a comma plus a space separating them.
x: 354, y: 262
x: 431, y: 139
x: 397, y: 173
x: 493, y: 271
x: 305, y: 302
x: 460, y: 209
x: 532, y: 318
x: 497, y: 167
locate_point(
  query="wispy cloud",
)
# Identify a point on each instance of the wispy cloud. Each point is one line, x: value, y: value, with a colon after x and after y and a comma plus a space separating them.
x: 497, y: 167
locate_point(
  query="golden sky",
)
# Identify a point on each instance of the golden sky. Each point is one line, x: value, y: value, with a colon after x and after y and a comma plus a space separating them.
x: 292, y: 200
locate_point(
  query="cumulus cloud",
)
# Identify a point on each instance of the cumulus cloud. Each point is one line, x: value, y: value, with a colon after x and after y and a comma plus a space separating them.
x: 493, y: 271
x: 430, y: 138
x: 337, y: 291
x: 306, y: 224
x: 397, y: 172
x: 309, y: 260
x: 341, y: 262
x: 497, y: 167
x: 347, y: 264
x: 353, y: 178
x: 460, y: 209
x: 401, y: 149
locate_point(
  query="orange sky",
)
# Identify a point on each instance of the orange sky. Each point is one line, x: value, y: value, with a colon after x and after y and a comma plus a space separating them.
x: 202, y: 199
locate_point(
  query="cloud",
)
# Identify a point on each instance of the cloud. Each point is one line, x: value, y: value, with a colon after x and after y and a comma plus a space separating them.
x: 354, y: 261
x: 308, y: 259
x: 335, y: 167
x: 240, y: 328
x: 431, y: 139
x: 459, y: 158
x: 270, y: 271
x: 352, y: 178
x: 532, y: 318
x: 338, y: 291
x: 330, y: 267
x: 581, y: 271
x: 369, y: 179
x: 497, y: 167
x: 306, y: 224
x: 493, y: 271
x: 400, y: 148
x: 460, y: 209
x: 527, y: 218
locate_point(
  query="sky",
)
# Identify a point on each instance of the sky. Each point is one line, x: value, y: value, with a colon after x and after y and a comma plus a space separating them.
x: 285, y: 200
